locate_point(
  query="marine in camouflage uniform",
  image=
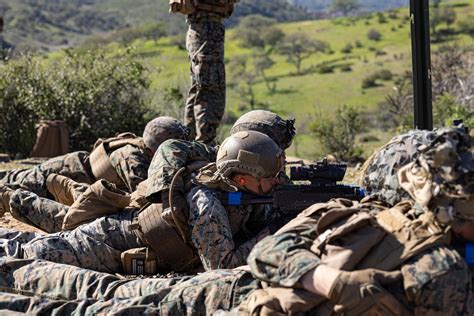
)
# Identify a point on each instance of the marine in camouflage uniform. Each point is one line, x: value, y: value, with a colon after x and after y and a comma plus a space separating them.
x: 96, y: 245
x: 74, y: 290
x: 205, y: 104
x: 176, y: 154
x: 130, y: 162
x: 435, y: 281
x: 217, y: 237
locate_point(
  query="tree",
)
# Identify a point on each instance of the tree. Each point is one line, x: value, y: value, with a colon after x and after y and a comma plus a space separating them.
x: 261, y: 63
x: 243, y: 81
x: 345, y: 6
x: 441, y: 15
x: 256, y: 31
x: 298, y: 47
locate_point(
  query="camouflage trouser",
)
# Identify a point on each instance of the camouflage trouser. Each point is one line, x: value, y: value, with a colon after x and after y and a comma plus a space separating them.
x: 73, y: 165
x: 206, y: 97
x: 42, y: 213
x: 75, y: 290
x: 96, y: 245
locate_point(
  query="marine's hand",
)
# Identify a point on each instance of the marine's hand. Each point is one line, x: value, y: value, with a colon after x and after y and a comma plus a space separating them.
x: 363, y: 290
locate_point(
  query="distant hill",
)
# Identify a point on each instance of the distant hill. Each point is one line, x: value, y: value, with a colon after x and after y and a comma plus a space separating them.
x: 366, y: 5
x: 52, y: 24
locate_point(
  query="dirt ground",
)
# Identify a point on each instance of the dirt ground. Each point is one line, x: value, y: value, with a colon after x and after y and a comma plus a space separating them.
x: 7, y: 221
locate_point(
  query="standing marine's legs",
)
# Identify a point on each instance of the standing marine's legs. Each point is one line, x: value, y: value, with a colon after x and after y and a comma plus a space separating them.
x: 206, y: 98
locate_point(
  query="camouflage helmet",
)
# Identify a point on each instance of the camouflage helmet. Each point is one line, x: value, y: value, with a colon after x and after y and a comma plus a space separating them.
x: 380, y: 170
x: 435, y: 169
x: 162, y: 128
x: 280, y: 130
x: 249, y: 152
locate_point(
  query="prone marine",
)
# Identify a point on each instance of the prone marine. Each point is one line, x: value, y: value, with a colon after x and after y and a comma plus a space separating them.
x: 337, y: 257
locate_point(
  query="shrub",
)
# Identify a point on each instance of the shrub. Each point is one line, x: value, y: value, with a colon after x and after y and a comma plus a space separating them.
x: 374, y: 35
x: 346, y: 68
x: 347, y: 49
x: 96, y: 95
x: 324, y: 69
x: 384, y: 74
x: 381, y: 18
x: 337, y: 136
x: 392, y: 14
x: 467, y: 26
x: 369, y: 82
x: 358, y: 44
x: 446, y: 109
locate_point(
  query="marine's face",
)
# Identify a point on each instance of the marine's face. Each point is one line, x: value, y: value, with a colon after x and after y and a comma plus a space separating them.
x: 254, y: 185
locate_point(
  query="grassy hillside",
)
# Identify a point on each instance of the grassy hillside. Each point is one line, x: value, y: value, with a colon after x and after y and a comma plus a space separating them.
x: 53, y: 24
x: 304, y: 96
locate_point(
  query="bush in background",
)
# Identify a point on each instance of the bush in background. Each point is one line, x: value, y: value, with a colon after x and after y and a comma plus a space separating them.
x: 337, y: 136
x: 374, y: 35
x: 96, y: 95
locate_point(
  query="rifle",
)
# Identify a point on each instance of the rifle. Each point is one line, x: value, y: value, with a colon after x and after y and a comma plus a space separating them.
x: 293, y: 198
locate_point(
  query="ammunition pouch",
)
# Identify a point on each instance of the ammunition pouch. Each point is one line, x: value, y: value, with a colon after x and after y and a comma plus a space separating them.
x: 139, y: 261
x: 99, y: 157
x: 100, y: 199
x: 155, y: 227
x: 223, y: 8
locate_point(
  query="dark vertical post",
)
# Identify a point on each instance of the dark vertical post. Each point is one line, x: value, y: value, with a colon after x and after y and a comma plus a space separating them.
x: 421, y: 63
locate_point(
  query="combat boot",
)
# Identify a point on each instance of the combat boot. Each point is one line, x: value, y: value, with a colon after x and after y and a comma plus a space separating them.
x: 5, y: 194
x: 64, y: 189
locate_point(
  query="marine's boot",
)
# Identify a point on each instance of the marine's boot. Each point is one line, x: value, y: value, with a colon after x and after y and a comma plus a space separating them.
x: 5, y: 194
x: 64, y: 189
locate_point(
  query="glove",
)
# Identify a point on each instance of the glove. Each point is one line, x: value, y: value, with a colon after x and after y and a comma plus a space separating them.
x: 362, y: 292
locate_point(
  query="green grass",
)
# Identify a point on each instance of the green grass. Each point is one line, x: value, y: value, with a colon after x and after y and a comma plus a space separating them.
x: 302, y: 96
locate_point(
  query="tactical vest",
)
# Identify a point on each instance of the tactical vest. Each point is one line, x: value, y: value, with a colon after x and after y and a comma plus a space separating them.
x: 157, y: 229
x: 99, y: 157
x: 223, y: 8
x: 351, y: 239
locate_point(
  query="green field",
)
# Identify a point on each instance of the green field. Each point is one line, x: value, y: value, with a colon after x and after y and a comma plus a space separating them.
x: 302, y: 96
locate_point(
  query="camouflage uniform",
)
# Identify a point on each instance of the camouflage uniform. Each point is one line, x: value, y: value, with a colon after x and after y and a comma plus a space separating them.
x: 130, y: 162
x: 171, y: 156
x: 75, y: 290
x: 223, y: 235
x: 435, y: 281
x: 205, y: 104
x: 444, y: 288
x: 73, y: 165
x: 42, y: 213
x: 96, y: 245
